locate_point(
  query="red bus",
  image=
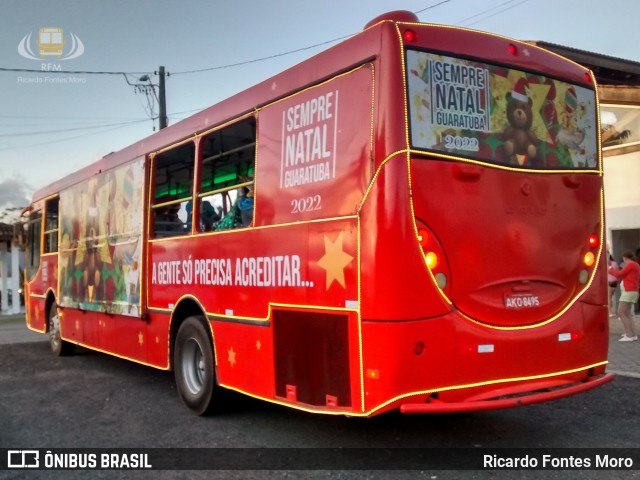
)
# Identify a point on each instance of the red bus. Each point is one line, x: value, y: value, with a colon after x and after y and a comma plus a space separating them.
x: 412, y: 219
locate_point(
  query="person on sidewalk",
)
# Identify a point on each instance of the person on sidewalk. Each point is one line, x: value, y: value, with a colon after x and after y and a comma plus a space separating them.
x: 637, y: 260
x: 613, y: 285
x: 630, y: 276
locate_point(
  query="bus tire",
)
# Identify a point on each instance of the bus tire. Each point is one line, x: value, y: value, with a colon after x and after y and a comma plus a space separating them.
x: 194, y: 366
x: 58, y: 346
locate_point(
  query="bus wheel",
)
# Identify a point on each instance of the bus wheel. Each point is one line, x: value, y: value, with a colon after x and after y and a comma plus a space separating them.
x: 194, y: 366
x: 58, y: 346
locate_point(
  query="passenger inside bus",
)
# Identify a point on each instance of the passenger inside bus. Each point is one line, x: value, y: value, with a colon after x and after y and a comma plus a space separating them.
x: 241, y: 213
x: 245, y: 204
x: 167, y: 222
x: 209, y: 217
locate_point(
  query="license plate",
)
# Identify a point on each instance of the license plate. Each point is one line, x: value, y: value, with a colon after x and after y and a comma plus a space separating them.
x: 521, y: 300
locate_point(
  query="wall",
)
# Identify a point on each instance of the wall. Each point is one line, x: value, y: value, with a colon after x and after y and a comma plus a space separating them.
x: 622, y: 173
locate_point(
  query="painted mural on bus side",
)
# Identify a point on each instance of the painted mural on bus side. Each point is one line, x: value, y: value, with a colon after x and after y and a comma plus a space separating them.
x: 101, y: 228
x: 499, y: 115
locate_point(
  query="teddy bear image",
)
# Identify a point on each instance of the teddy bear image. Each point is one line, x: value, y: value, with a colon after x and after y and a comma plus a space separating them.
x: 518, y: 137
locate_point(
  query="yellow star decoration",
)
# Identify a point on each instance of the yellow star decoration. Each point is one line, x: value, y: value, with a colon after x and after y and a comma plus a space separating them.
x: 140, y: 338
x: 231, y: 356
x: 258, y: 345
x: 77, y: 324
x: 538, y: 94
x: 334, y: 260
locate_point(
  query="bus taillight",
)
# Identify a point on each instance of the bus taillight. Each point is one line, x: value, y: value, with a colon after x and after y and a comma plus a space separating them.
x: 423, y: 237
x: 434, y: 257
x: 409, y: 36
x: 513, y: 50
x: 432, y: 260
x: 593, y: 240
x: 589, y: 259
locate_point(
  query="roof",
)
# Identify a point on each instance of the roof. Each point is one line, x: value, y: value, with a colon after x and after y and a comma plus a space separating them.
x: 607, y: 69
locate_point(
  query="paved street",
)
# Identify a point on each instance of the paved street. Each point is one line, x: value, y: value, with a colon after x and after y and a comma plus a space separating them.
x: 14, y: 330
x: 99, y: 401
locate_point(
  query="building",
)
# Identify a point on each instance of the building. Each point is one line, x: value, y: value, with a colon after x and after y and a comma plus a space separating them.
x: 10, y: 266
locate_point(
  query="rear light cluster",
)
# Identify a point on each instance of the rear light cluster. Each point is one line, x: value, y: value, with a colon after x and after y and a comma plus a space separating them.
x: 593, y: 241
x: 434, y: 258
x: 589, y: 258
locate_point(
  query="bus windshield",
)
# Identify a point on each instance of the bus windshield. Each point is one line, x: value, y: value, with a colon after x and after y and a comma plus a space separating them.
x: 499, y: 115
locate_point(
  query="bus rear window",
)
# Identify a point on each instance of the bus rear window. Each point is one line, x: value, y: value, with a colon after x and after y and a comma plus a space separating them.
x: 499, y: 115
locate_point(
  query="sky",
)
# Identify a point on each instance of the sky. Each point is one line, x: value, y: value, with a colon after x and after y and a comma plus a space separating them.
x: 50, y: 129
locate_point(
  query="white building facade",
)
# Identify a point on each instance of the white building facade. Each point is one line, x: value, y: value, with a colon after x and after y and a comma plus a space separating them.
x: 11, y: 263
x: 620, y: 114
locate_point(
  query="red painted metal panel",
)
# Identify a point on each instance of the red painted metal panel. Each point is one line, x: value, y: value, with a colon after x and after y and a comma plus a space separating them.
x: 44, y: 281
x: 461, y: 359
x: 314, y: 151
x: 240, y: 273
x: 245, y: 357
x: 514, y: 241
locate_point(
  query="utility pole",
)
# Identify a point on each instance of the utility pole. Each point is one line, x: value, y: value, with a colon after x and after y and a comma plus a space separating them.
x: 160, y: 95
x: 162, y: 100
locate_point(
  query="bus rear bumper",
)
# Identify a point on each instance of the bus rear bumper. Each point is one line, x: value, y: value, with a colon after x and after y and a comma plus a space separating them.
x: 495, y: 399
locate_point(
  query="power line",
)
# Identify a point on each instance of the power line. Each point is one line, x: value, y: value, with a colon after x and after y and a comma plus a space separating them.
x: 189, y: 111
x: 432, y: 6
x: 64, y: 130
x: 75, y: 119
x: 246, y: 62
x: 63, y: 118
x: 496, y: 13
x: 282, y: 54
x: 31, y: 145
x: 483, y: 12
x: 78, y: 72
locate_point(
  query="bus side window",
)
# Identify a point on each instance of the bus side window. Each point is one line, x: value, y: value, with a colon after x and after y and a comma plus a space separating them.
x: 51, y: 225
x: 173, y: 191
x: 32, y: 253
x: 226, y: 179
